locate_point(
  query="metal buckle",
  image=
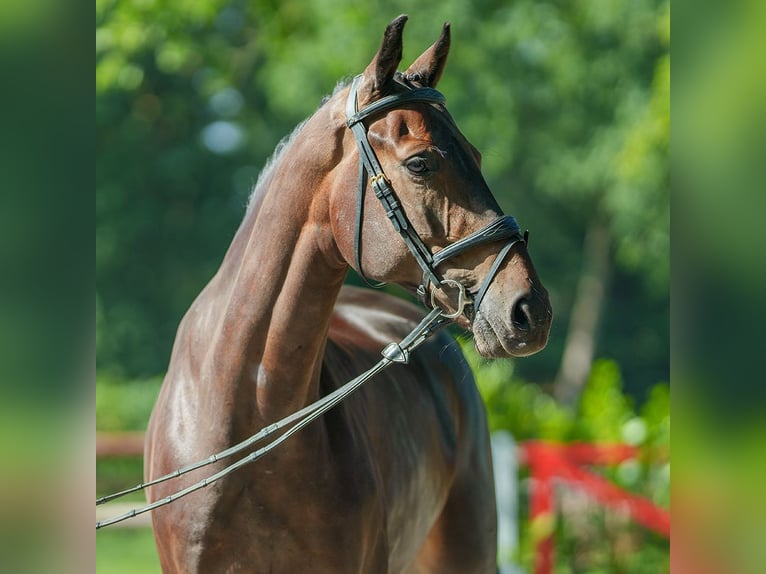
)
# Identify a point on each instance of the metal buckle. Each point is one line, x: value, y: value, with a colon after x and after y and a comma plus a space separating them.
x: 462, y: 298
x: 380, y: 179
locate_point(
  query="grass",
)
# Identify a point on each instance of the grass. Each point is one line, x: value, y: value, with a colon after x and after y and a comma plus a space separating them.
x: 126, y: 551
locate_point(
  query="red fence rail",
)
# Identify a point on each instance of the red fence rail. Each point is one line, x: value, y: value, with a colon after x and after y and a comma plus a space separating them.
x: 121, y: 444
x: 549, y: 461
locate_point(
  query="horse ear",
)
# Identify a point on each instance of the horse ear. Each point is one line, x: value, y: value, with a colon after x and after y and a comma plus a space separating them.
x: 428, y: 68
x: 380, y: 72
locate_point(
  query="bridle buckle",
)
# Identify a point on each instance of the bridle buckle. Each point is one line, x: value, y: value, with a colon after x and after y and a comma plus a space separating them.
x: 379, y: 179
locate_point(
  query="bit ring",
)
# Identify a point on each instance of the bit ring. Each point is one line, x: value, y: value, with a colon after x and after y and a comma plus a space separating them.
x: 462, y: 298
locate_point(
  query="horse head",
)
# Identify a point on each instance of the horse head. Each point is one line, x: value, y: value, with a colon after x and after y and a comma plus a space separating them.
x: 428, y: 180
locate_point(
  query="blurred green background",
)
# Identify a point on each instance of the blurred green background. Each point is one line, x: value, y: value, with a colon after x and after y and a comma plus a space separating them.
x: 568, y: 101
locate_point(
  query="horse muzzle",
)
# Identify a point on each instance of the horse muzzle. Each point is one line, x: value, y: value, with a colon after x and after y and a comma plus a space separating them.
x: 516, y: 327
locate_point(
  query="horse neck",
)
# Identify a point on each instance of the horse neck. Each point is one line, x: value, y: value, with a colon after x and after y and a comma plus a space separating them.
x: 279, y: 288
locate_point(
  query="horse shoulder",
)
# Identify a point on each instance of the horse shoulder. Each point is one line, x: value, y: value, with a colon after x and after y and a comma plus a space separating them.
x: 365, y: 321
x: 423, y: 425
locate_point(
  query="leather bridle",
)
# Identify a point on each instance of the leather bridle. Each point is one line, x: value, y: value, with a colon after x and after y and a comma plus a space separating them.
x: 503, y: 228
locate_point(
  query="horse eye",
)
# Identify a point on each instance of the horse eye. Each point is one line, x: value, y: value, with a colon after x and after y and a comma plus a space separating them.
x: 417, y: 165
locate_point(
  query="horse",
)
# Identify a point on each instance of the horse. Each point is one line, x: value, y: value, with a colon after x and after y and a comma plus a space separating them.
x: 398, y: 478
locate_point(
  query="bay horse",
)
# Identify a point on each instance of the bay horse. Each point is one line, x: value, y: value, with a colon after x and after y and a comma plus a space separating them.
x: 398, y: 478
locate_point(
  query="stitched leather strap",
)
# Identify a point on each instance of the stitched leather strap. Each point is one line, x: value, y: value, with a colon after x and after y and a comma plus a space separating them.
x: 380, y: 184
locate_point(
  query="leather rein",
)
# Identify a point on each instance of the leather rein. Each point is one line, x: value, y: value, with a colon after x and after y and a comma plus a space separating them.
x: 503, y: 228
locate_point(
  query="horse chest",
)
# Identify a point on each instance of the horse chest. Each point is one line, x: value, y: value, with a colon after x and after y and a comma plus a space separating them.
x: 292, y: 515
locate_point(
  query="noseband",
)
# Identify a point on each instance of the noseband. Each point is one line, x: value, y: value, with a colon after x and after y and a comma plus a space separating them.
x: 503, y: 228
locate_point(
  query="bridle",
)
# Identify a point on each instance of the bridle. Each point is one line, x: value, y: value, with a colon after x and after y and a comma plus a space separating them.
x: 503, y: 228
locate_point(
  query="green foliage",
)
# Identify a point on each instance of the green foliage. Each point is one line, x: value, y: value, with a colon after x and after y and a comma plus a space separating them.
x: 588, y: 538
x: 604, y: 413
x: 125, y: 406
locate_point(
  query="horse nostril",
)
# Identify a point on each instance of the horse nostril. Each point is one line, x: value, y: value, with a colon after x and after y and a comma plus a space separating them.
x: 521, y: 313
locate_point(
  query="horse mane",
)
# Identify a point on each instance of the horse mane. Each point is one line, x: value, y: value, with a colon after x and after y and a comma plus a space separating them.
x: 284, y: 143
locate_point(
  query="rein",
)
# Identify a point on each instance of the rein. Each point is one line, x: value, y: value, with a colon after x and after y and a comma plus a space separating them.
x: 503, y: 228
x: 392, y: 353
